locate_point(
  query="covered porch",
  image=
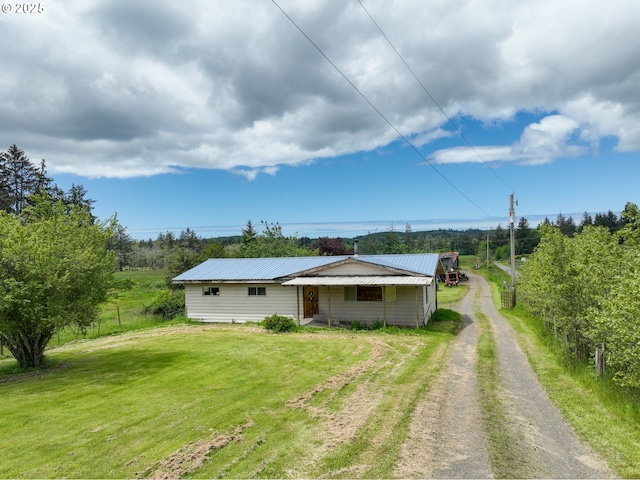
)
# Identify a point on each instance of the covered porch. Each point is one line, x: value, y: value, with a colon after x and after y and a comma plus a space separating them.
x: 401, y: 300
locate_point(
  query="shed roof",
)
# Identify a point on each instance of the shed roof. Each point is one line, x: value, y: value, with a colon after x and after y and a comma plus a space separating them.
x: 255, y: 269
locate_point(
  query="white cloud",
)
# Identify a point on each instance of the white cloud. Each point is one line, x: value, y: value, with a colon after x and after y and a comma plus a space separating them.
x: 540, y: 142
x: 115, y: 88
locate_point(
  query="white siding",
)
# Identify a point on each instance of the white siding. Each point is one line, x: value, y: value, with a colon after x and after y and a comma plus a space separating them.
x: 234, y: 304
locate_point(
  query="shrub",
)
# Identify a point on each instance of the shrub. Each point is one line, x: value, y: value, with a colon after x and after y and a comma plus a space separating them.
x: 356, y: 325
x: 443, y: 315
x: 166, y: 304
x: 278, y: 324
x: 377, y: 325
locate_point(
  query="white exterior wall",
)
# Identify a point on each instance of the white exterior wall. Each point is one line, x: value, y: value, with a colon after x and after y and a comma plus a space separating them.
x: 234, y: 304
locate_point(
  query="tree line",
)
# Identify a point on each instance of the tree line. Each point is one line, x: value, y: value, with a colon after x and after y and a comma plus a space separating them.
x: 170, y: 251
x: 20, y: 180
x: 585, y: 287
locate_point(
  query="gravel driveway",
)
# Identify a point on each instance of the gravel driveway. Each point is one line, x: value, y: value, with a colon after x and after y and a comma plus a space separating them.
x: 447, y: 438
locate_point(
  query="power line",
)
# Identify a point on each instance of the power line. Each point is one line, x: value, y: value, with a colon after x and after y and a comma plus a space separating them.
x: 406, y: 140
x: 435, y: 102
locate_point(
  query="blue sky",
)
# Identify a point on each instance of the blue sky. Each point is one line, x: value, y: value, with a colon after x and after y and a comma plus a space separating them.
x: 207, y: 117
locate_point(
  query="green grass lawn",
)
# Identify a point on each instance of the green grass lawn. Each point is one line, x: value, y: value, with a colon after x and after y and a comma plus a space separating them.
x: 245, y: 402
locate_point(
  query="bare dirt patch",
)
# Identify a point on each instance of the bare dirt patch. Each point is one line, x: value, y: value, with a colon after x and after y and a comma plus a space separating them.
x: 190, y: 457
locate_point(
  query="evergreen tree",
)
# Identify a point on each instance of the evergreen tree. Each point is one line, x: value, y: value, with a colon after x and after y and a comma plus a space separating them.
x: 499, y: 236
x: 609, y: 220
x: 20, y: 179
x: 523, y: 237
x: 189, y: 240
x: 76, y: 196
x: 249, y: 233
x: 409, y: 240
x: 121, y: 244
x: 587, y: 220
x: 566, y: 225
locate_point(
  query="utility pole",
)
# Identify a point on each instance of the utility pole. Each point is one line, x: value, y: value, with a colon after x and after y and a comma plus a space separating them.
x: 512, y: 221
x: 487, y: 252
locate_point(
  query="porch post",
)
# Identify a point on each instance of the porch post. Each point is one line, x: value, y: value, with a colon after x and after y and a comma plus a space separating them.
x: 384, y: 303
x: 298, y: 302
x: 417, y: 310
x: 329, y: 299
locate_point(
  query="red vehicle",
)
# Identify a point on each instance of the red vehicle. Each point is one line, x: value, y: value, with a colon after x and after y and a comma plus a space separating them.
x: 452, y: 279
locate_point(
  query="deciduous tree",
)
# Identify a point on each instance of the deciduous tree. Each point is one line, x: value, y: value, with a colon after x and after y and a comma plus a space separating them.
x: 54, y: 272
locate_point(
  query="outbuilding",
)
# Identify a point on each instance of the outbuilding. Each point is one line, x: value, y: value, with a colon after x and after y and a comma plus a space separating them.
x: 391, y: 289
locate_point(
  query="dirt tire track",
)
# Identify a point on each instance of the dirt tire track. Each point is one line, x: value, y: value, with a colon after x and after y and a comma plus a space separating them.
x: 553, y: 446
x: 447, y: 438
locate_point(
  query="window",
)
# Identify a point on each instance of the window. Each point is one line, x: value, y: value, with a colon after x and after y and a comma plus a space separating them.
x: 350, y: 294
x: 369, y: 294
x: 390, y: 294
x: 257, y: 291
x: 210, y: 291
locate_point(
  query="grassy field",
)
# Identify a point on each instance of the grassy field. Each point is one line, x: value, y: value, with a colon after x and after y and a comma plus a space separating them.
x: 217, y: 401
x: 122, y: 313
x: 234, y: 401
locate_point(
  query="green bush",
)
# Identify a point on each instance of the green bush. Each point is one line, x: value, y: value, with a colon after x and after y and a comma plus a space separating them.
x: 377, y: 325
x: 356, y: 325
x: 166, y: 304
x: 278, y: 324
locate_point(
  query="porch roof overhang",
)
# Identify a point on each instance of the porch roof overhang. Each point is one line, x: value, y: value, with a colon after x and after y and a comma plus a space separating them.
x: 377, y: 280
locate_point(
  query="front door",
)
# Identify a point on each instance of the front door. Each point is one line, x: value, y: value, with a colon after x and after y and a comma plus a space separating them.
x: 310, y: 301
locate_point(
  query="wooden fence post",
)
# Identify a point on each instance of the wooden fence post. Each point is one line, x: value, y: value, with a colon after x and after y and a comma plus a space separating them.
x: 600, y: 366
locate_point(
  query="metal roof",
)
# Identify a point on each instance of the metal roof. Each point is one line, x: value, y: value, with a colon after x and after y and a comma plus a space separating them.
x: 255, y: 269
x: 376, y: 280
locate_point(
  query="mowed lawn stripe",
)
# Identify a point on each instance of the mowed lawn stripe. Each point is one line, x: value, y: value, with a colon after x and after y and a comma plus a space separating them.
x: 114, y: 408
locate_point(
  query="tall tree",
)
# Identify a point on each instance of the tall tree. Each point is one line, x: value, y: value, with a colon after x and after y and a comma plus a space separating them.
x: 526, y: 238
x: 499, y: 236
x: 54, y: 271
x: 587, y: 220
x: 271, y: 243
x: 189, y: 240
x: 121, y: 244
x: 566, y: 225
x: 249, y: 233
x: 609, y: 220
x: 20, y: 179
x: 409, y: 239
x: 76, y: 196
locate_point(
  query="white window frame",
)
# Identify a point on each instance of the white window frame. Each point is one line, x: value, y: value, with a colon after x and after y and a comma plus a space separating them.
x: 257, y: 291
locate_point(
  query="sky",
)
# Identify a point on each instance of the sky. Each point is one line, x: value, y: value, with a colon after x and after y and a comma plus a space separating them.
x: 329, y: 117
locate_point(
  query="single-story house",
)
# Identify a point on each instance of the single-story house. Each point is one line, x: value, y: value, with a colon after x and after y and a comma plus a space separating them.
x: 394, y: 289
